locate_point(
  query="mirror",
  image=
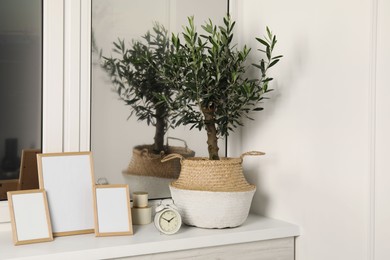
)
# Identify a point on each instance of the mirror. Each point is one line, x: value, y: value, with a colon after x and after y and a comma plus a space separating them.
x: 113, y: 133
x: 20, y: 88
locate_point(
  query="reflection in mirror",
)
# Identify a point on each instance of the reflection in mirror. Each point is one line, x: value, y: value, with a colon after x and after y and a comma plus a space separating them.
x: 125, y: 147
x: 20, y: 91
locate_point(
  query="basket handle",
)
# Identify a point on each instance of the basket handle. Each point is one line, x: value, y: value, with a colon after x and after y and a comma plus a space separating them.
x: 251, y: 153
x: 172, y: 156
x: 145, y: 153
x: 175, y: 138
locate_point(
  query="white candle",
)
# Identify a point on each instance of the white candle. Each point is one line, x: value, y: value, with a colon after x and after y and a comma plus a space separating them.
x: 140, y: 199
x: 141, y: 216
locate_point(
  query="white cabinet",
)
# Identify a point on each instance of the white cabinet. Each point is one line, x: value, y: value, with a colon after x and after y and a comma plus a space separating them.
x: 274, y: 249
x: 258, y: 238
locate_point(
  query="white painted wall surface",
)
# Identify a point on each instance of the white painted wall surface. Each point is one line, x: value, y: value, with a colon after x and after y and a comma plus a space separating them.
x: 318, y: 128
x: 382, y: 173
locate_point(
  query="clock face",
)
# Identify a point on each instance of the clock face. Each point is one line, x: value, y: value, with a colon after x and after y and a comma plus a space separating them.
x: 169, y: 221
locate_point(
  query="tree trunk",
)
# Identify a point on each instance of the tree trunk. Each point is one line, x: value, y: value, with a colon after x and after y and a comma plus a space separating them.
x: 212, y: 140
x: 158, y: 145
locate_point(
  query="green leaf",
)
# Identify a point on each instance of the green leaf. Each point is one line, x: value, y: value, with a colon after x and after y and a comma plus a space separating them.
x: 263, y: 42
x: 267, y: 80
x: 273, y: 63
x: 268, y: 52
x: 269, y: 33
x: 257, y: 65
x: 117, y: 45
x: 277, y: 57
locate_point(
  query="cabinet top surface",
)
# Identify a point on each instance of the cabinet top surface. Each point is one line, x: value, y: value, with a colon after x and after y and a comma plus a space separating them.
x: 146, y: 240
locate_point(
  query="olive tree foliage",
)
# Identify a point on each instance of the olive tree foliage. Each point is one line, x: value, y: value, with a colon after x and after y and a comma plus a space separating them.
x: 134, y: 73
x: 207, y: 75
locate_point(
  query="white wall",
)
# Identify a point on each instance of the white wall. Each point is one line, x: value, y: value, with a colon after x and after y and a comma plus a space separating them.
x: 318, y: 129
x: 382, y: 166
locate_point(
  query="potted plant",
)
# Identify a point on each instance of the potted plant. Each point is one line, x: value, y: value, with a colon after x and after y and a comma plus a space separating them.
x: 213, y: 93
x: 134, y: 73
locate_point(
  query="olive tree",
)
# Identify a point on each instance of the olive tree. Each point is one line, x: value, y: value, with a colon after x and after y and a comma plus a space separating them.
x: 134, y: 73
x: 207, y: 73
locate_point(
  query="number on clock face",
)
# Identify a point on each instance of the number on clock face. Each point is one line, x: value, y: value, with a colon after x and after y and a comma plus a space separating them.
x: 169, y: 221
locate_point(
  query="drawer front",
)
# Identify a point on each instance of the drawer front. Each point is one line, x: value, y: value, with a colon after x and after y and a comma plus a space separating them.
x: 280, y: 249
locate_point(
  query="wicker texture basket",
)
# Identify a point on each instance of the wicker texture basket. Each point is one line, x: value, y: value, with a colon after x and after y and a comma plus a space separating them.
x: 145, y: 163
x: 207, y: 175
x: 212, y: 194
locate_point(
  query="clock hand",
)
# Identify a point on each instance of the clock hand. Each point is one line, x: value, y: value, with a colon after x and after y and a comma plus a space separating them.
x: 170, y: 219
x: 165, y: 219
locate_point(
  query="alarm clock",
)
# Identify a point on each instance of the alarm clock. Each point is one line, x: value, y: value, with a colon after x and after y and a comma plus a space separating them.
x: 167, y: 219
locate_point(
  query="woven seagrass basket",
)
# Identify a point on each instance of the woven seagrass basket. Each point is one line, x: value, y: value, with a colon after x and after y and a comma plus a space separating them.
x: 212, y: 193
x: 145, y: 163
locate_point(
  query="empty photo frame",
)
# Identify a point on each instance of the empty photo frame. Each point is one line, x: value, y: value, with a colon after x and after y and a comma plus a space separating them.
x: 112, y: 210
x: 68, y: 181
x: 30, y: 217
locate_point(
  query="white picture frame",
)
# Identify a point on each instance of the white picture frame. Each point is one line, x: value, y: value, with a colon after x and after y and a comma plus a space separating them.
x: 112, y: 210
x: 30, y: 218
x: 68, y: 180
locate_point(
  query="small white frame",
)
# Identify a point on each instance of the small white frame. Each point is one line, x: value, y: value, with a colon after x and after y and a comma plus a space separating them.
x: 68, y: 180
x: 30, y: 219
x: 112, y: 210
